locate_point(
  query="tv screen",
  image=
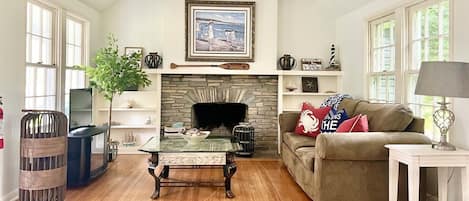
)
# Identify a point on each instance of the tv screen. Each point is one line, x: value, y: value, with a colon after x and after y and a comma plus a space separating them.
x: 80, y: 109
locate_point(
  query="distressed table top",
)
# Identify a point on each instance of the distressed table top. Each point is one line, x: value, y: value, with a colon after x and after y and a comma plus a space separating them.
x: 176, y: 145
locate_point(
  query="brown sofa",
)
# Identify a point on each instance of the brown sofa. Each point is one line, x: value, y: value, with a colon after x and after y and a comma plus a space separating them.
x: 351, y: 167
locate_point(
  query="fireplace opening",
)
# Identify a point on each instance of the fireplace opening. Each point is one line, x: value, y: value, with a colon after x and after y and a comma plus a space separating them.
x: 209, y: 116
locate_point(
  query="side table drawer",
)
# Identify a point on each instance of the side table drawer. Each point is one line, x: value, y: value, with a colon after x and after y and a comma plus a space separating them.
x: 192, y: 158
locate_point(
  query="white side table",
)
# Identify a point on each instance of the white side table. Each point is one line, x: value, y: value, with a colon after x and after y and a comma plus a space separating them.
x: 416, y: 156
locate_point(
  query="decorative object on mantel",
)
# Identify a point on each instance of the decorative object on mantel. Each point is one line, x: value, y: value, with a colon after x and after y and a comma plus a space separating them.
x: 333, y: 64
x: 43, y: 154
x: 220, y: 31
x: 153, y: 60
x: 227, y: 66
x: 308, y: 64
x: 310, y: 84
x: 287, y: 62
x: 138, y: 51
x: 445, y: 79
x: 124, y: 73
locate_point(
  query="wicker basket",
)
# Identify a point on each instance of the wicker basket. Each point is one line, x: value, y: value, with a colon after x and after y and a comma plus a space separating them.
x: 43, y: 162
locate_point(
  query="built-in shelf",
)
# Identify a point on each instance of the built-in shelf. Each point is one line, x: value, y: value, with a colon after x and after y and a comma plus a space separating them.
x: 128, y: 109
x: 307, y: 94
x: 133, y: 127
x: 310, y: 73
x: 220, y: 71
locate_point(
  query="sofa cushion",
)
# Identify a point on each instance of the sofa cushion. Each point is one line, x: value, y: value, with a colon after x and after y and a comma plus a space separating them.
x: 358, y: 123
x: 306, y: 155
x: 333, y: 120
x: 310, y: 120
x: 295, y: 141
x: 385, y: 117
x: 349, y: 105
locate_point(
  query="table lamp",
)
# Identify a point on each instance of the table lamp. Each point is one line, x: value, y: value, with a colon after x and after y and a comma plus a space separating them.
x: 445, y: 79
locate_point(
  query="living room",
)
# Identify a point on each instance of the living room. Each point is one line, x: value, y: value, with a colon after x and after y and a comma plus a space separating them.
x: 254, y: 61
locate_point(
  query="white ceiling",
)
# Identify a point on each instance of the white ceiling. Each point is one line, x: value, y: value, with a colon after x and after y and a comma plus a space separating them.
x: 341, y: 7
x: 99, y: 4
x: 334, y: 7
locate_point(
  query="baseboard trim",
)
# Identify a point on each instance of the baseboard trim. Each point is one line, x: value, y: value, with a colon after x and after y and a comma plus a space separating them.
x: 12, y: 196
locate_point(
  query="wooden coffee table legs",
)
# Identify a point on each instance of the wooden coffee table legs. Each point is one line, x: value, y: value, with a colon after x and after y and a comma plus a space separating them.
x: 228, y: 171
x: 153, y: 165
x: 159, y: 172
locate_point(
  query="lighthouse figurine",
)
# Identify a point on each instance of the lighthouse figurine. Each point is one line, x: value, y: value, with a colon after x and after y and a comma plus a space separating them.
x: 333, y: 64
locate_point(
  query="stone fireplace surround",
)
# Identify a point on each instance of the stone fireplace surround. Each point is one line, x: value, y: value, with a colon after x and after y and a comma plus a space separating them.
x: 260, y: 92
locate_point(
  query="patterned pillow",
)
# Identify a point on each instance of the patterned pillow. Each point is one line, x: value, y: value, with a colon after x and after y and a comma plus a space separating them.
x: 333, y: 120
x: 358, y: 123
x: 309, y: 123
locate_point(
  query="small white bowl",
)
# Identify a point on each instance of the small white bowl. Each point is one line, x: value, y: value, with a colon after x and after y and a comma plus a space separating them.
x: 196, y: 139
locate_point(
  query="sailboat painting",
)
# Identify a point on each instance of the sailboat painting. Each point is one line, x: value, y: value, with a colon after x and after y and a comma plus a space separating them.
x: 219, y: 31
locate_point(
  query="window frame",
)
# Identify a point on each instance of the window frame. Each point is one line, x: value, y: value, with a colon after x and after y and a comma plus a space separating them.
x: 58, y: 58
x: 397, y: 54
x: 54, y: 45
x: 404, y: 28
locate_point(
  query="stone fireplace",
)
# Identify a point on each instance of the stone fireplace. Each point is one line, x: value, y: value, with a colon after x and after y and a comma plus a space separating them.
x: 219, y: 102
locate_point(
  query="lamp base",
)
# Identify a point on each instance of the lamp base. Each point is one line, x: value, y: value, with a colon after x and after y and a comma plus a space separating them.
x: 444, y: 146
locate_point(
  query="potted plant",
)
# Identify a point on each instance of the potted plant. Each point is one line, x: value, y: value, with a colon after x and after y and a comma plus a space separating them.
x: 114, y: 74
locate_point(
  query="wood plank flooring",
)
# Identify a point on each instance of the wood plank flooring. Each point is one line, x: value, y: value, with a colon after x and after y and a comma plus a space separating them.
x: 128, y: 180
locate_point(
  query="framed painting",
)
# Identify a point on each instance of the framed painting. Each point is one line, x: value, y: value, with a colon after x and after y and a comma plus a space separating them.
x: 220, y: 31
x: 138, y: 50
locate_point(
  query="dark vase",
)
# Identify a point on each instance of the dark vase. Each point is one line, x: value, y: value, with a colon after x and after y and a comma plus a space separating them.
x: 287, y: 62
x: 153, y: 60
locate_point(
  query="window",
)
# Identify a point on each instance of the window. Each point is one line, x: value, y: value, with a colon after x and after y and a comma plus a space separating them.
x: 429, y: 41
x: 382, y: 72
x: 74, y: 78
x: 45, y: 79
x: 41, y: 71
x: 427, y: 32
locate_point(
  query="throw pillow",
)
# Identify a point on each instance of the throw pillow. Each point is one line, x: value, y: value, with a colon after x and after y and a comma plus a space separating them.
x: 309, y: 123
x: 332, y: 121
x: 358, y: 123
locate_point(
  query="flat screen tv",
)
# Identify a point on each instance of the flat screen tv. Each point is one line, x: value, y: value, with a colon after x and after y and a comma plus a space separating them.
x: 80, y: 108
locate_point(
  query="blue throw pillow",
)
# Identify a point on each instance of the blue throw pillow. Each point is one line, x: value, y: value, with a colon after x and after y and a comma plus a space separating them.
x: 333, y: 120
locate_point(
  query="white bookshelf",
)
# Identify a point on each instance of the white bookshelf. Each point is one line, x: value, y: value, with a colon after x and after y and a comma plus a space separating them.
x: 329, y: 84
x: 146, y: 103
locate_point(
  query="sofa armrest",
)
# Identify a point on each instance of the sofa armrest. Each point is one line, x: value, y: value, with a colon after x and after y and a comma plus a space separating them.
x: 363, y: 146
x: 287, y: 121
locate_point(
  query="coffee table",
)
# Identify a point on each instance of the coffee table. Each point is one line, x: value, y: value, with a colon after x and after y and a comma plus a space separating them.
x: 176, y: 152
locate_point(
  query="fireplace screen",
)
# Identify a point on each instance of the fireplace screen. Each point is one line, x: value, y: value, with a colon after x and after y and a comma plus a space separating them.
x: 209, y: 116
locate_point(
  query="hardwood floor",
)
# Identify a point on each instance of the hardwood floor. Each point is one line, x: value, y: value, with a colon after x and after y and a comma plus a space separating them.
x: 128, y: 180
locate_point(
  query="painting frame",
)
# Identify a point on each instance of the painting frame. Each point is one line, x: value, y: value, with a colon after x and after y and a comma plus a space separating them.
x: 131, y: 50
x: 202, y: 44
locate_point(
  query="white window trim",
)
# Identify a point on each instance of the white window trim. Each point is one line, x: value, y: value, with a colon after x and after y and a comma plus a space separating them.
x: 58, y: 58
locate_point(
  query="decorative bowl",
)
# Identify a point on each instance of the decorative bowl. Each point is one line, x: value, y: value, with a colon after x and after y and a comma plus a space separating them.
x: 196, y: 138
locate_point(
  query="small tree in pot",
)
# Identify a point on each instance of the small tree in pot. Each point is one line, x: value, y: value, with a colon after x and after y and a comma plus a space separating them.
x: 114, y: 74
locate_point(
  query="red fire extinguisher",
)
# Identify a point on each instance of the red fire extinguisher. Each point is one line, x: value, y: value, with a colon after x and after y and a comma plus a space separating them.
x: 1, y: 124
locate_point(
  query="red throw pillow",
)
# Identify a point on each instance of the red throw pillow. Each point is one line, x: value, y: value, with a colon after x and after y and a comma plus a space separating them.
x: 310, y: 120
x: 358, y: 123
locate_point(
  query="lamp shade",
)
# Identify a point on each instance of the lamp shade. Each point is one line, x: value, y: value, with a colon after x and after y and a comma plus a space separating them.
x: 448, y: 79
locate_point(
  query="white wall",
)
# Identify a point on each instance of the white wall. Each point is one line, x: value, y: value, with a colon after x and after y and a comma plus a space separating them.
x: 351, y: 38
x: 306, y: 29
x: 12, y: 83
x: 12, y: 79
x: 160, y: 26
